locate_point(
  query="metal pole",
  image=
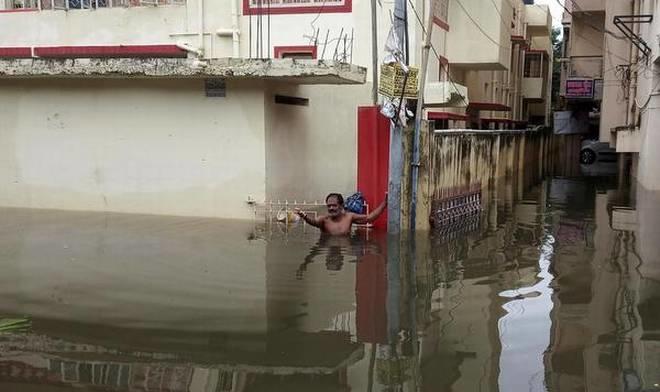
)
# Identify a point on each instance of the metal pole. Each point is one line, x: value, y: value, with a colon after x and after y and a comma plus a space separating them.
x: 418, y: 117
x: 374, y: 52
x: 396, y: 141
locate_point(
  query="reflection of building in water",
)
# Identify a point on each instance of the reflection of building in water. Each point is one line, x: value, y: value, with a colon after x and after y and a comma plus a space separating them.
x: 152, y: 303
x: 459, y: 307
x: 606, y: 315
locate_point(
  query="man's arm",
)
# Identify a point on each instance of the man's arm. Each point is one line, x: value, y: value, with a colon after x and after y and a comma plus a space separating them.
x: 316, y: 222
x: 373, y: 215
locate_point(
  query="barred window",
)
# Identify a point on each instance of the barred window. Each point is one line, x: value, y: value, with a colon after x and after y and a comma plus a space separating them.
x: 85, y: 4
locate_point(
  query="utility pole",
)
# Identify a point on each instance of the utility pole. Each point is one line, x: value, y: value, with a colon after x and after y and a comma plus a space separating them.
x: 374, y: 52
x: 426, y: 48
x: 396, y: 137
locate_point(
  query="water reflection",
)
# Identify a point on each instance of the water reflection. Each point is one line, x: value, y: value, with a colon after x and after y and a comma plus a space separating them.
x: 559, y: 291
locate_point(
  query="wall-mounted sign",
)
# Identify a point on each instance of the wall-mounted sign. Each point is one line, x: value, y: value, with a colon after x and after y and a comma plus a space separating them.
x: 295, y: 7
x: 580, y: 88
x: 215, y: 88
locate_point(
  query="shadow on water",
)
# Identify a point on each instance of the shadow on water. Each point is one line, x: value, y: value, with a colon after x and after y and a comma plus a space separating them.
x: 559, y: 291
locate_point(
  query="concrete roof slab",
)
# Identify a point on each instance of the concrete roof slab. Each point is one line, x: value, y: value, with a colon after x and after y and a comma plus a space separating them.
x: 289, y: 70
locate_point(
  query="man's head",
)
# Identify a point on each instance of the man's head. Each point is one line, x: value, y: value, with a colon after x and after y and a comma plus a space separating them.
x: 335, y: 204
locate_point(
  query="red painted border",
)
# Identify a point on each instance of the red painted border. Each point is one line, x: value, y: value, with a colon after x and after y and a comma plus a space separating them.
x: 347, y: 7
x: 19, y: 10
x: 16, y: 53
x: 279, y: 51
x: 447, y: 116
x: 441, y: 23
x: 111, y: 51
x: 496, y: 107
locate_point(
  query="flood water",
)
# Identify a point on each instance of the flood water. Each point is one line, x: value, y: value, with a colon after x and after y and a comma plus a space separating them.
x: 559, y: 291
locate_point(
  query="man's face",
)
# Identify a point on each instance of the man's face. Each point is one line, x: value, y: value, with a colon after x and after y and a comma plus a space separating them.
x: 334, y: 208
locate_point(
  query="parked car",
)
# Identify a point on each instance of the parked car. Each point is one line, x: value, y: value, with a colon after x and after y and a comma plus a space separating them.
x: 598, y: 158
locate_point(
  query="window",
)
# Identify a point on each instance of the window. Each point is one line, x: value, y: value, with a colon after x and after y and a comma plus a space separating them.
x: 21, y: 4
x: 295, y: 52
x: 251, y: 7
x: 89, y: 4
x: 533, y: 65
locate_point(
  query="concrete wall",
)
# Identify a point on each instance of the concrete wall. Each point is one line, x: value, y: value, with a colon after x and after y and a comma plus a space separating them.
x: 648, y: 98
x: 312, y: 150
x: 614, y: 107
x: 486, y: 49
x: 157, y: 147
x: 586, y: 36
x: 454, y: 160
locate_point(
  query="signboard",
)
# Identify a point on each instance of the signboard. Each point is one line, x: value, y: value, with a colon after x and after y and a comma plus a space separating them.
x: 215, y: 88
x: 295, y: 6
x: 580, y: 88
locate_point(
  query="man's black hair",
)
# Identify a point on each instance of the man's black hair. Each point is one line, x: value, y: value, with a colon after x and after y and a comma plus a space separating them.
x: 338, y: 196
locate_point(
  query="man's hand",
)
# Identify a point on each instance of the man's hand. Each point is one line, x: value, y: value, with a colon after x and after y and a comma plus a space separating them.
x: 299, y: 212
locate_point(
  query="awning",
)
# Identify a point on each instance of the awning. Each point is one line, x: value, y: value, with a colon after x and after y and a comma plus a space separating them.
x: 497, y: 107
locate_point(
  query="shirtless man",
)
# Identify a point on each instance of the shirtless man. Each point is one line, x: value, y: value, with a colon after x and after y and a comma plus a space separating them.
x: 338, y: 221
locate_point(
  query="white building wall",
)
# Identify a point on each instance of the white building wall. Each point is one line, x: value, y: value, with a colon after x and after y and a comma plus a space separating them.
x: 648, y: 98
x: 616, y: 52
x: 312, y: 150
x: 157, y: 147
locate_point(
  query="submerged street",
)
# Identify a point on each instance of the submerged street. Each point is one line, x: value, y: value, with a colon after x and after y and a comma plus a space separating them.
x: 559, y: 291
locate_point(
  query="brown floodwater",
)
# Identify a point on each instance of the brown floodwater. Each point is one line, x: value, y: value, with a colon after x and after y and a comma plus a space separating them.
x: 558, y: 291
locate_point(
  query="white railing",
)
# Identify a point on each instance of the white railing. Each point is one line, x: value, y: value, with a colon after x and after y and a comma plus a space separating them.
x: 85, y: 4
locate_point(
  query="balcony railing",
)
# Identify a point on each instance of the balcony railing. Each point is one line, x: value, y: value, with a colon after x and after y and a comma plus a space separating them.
x: 585, y: 67
x: 84, y: 4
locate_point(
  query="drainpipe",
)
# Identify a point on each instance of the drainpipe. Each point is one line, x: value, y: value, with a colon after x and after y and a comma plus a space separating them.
x: 492, y: 92
x: 236, y: 34
x: 374, y: 53
x: 634, y: 54
x: 396, y: 145
x: 200, y: 15
x: 426, y: 48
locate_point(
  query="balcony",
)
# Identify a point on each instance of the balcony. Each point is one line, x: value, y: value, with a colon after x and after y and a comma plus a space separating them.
x: 82, y: 4
x: 539, y: 19
x: 479, y: 39
x: 535, y: 77
x: 72, y: 23
x: 585, y: 67
x: 586, y: 5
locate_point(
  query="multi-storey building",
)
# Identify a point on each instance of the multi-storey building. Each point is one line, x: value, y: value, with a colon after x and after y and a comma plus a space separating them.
x: 136, y: 105
x: 610, y: 75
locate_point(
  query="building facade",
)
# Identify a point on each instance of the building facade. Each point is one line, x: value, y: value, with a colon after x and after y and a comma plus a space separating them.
x: 135, y: 105
x: 611, y: 75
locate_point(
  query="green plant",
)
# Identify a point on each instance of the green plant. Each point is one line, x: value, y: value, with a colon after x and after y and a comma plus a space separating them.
x: 15, y: 325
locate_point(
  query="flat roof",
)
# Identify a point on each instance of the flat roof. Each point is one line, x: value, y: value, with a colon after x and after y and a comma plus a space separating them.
x: 288, y: 70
